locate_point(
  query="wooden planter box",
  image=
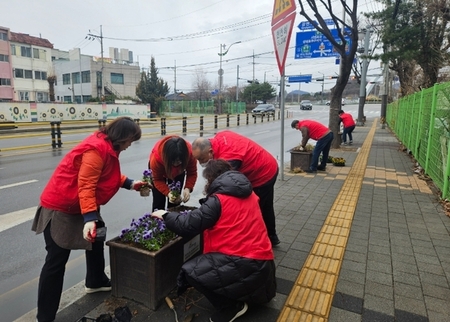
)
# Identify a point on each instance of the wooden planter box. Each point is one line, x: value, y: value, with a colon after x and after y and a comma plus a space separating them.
x: 147, y: 277
x: 300, y: 159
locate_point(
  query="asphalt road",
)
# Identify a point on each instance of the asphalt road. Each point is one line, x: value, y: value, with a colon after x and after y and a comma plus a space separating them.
x: 24, y: 174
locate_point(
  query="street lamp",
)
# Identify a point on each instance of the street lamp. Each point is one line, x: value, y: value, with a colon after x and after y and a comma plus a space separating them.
x: 220, y: 71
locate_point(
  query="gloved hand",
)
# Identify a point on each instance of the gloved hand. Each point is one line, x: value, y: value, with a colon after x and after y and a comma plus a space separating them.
x: 137, y: 185
x: 174, y: 199
x: 158, y: 214
x: 186, y: 195
x: 90, y: 231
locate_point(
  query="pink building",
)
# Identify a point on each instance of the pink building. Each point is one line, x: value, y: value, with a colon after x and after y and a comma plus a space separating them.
x: 6, y: 77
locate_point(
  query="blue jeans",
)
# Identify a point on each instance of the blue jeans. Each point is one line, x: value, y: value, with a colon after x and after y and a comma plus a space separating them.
x: 323, y: 146
x: 347, y: 130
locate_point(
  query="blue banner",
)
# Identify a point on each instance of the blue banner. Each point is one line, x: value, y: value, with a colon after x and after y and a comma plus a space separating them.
x: 300, y: 79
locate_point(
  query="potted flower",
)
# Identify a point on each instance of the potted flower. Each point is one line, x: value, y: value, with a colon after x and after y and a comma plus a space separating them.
x: 146, y: 257
x: 301, y: 158
x: 339, y: 162
x: 148, y: 180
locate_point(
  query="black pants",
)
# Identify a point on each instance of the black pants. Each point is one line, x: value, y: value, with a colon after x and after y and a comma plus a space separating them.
x: 159, y: 199
x: 52, y: 275
x: 266, y: 195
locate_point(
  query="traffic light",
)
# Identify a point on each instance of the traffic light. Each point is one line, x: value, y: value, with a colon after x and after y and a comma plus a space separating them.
x: 251, y: 82
x: 333, y: 77
x: 319, y: 79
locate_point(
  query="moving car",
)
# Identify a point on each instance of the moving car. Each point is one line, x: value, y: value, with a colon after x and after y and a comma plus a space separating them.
x: 305, y: 105
x: 264, y: 109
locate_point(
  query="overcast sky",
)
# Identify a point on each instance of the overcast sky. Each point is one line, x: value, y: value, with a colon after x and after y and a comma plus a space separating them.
x: 186, y: 34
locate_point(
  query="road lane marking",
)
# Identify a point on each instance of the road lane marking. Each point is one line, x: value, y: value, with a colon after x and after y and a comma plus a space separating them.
x: 16, y: 218
x: 17, y: 184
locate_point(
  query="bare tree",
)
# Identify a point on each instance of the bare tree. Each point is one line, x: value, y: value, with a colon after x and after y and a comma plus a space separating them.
x: 201, y: 86
x: 347, y: 27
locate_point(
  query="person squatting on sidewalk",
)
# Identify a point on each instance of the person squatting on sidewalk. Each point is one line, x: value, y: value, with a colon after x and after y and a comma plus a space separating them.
x: 171, y: 161
x: 314, y: 130
x: 237, y: 265
x: 349, y: 125
x: 248, y: 157
x: 69, y: 211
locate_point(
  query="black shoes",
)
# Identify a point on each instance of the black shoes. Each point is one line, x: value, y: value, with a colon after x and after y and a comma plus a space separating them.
x: 321, y: 168
x: 104, y: 288
x: 229, y: 314
x: 310, y: 171
x: 274, y: 240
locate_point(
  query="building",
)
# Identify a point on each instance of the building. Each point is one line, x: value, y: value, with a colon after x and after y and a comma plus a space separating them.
x: 79, y: 77
x: 25, y: 64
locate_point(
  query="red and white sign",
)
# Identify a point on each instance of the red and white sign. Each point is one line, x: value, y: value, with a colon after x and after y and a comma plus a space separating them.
x: 283, y: 18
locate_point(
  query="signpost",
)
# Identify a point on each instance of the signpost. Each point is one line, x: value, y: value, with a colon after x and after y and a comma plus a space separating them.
x: 283, y: 18
x: 300, y: 79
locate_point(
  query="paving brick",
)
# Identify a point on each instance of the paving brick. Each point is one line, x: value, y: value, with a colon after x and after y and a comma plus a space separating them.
x: 379, y: 304
x: 437, y: 305
x: 381, y: 290
x: 379, y: 277
x: 406, y: 278
x: 433, y: 279
x: 407, y: 290
x: 338, y: 315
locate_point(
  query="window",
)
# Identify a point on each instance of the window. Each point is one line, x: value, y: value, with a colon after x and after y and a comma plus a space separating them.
x: 35, y: 52
x: 18, y: 73
x: 40, y: 75
x: 28, y: 74
x: 24, y: 96
x: 68, y: 99
x: 86, y: 77
x: 3, y: 36
x: 116, y: 78
x: 77, y: 99
x: 25, y: 51
x: 42, y: 97
x: 66, y: 79
x: 13, y: 50
x: 4, y: 57
x: 5, y: 82
x: 76, y: 78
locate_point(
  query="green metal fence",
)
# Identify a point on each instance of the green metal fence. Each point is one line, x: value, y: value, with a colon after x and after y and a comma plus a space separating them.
x: 200, y: 107
x: 422, y: 122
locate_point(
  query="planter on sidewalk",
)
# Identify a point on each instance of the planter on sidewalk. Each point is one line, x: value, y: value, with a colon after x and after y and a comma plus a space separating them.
x: 300, y: 159
x: 145, y: 276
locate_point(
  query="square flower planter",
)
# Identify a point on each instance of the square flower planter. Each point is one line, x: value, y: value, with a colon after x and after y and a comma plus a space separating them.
x: 147, y: 277
x: 300, y: 159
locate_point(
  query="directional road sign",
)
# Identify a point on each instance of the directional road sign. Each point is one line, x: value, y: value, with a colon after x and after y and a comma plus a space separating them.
x: 300, y: 79
x: 306, y: 25
x: 313, y: 44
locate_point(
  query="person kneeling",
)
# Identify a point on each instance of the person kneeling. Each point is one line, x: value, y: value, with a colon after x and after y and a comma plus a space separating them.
x: 237, y: 265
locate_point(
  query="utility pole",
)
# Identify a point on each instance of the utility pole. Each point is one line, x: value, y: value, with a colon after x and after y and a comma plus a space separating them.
x: 91, y: 36
x: 384, y: 94
x: 237, y: 84
x: 175, y: 78
x: 253, y: 66
x: 362, y: 87
x: 220, y: 72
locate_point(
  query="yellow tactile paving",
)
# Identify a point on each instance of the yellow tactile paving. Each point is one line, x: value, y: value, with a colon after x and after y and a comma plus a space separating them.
x: 311, y: 297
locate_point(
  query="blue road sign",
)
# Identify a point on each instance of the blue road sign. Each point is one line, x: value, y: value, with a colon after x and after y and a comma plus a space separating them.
x: 306, y: 25
x: 299, y: 79
x: 313, y: 44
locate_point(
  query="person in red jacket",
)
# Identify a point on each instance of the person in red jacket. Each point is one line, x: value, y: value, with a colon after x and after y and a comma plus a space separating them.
x: 69, y: 212
x: 349, y: 125
x: 314, y: 130
x: 237, y: 265
x: 248, y: 157
x: 171, y: 161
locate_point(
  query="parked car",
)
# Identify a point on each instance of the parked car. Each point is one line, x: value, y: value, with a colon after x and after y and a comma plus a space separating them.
x: 328, y: 103
x: 264, y: 109
x: 305, y: 105
x: 343, y: 102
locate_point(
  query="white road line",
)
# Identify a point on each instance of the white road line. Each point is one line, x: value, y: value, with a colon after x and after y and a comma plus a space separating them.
x: 17, y: 184
x: 15, y: 218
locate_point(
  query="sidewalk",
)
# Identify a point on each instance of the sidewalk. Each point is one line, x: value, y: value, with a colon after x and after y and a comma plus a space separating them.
x: 364, y: 242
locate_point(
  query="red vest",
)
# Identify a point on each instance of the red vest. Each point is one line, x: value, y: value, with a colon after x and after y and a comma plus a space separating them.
x: 347, y: 119
x: 258, y: 165
x: 61, y: 192
x: 240, y: 231
x: 316, y: 130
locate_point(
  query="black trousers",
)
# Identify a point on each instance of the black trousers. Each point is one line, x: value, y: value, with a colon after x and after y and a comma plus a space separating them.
x: 266, y: 195
x: 52, y: 275
x: 159, y: 199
